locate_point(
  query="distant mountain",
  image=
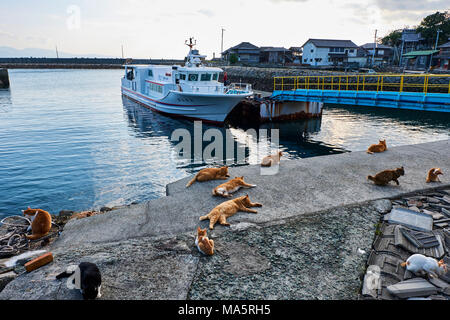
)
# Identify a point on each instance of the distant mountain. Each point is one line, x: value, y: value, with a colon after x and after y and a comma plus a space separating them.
x: 9, y: 52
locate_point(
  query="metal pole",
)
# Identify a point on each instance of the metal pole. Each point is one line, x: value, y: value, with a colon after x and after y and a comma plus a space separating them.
x: 122, y: 51
x: 374, y: 48
x: 435, y: 46
x: 401, y: 54
x: 221, y: 48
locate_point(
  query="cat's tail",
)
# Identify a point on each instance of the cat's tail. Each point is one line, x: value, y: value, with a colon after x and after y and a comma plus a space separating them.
x: 192, y: 181
x: 370, y: 152
x: 370, y: 178
x: 64, y: 274
x: 70, y: 270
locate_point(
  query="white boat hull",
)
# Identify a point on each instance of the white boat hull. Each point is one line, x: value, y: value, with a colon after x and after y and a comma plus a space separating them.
x: 212, y: 108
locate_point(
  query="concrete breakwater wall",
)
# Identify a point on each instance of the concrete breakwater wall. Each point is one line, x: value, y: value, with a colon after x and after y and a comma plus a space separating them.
x: 4, y: 79
x: 310, y: 239
x: 263, y: 79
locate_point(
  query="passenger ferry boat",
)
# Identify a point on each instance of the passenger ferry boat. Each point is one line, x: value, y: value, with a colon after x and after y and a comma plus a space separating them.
x: 191, y: 91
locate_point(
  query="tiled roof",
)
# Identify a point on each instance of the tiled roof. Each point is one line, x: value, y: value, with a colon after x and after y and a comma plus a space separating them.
x: 277, y: 49
x: 379, y: 46
x: 445, y: 45
x: 244, y: 45
x: 329, y: 43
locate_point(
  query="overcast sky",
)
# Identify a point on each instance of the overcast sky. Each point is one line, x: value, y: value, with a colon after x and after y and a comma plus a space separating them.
x: 158, y: 28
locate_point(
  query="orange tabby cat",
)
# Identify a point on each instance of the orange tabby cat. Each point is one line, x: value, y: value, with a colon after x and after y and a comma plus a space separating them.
x: 382, y: 178
x: 229, y: 208
x: 433, y: 175
x: 41, y: 222
x: 271, y: 160
x: 202, y: 242
x: 227, y: 188
x: 380, y: 147
x: 210, y: 174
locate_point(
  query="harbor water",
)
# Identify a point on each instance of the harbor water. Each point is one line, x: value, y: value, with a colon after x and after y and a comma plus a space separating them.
x: 69, y: 140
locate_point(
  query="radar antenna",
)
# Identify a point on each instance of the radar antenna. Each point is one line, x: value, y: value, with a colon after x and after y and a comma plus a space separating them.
x: 191, y: 43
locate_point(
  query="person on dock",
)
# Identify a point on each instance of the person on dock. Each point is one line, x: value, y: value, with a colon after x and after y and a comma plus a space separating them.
x: 225, y: 78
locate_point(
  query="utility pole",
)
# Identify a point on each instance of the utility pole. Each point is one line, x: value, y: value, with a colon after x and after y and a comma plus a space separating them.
x: 221, y: 48
x: 57, y: 56
x: 435, y: 46
x: 374, y: 48
x: 122, y: 51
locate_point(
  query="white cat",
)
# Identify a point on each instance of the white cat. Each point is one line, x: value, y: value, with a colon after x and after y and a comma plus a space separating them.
x: 418, y: 263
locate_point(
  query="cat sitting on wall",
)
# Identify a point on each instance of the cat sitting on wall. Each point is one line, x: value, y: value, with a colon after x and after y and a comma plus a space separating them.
x: 41, y: 223
x: 380, y: 147
x: 433, y: 175
x: 271, y: 160
x: 203, y: 243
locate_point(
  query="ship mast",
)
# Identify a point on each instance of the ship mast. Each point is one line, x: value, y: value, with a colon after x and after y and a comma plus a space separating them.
x: 193, y: 59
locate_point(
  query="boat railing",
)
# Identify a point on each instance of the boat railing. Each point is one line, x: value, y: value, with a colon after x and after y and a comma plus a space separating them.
x: 239, y: 88
x: 209, y: 89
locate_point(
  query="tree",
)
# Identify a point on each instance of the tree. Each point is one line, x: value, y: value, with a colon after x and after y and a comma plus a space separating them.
x: 233, y: 58
x: 393, y: 39
x: 430, y: 25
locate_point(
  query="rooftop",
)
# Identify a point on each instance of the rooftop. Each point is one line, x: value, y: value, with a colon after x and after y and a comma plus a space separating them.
x: 329, y: 43
x: 370, y: 45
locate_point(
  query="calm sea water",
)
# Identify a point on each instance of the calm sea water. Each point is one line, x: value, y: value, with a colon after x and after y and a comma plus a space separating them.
x: 68, y: 140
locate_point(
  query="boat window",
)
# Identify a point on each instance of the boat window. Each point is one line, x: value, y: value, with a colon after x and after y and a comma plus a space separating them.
x: 215, y: 76
x: 205, y: 77
x: 150, y: 73
x: 182, y: 76
x: 193, y: 77
x: 155, y: 87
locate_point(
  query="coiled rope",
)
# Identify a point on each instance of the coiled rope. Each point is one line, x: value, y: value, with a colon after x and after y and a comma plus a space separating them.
x: 15, y: 241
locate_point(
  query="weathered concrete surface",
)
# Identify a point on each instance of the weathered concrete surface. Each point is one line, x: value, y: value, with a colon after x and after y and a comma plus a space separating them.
x: 314, y: 256
x: 144, y: 268
x: 301, y: 186
x: 284, y: 251
x: 320, y: 256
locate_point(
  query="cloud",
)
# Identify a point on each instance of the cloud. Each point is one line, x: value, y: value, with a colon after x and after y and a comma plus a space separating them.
x: 289, y: 0
x: 5, y: 34
x: 412, y: 5
x: 206, y: 12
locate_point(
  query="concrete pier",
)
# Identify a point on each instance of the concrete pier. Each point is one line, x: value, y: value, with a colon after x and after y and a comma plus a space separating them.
x: 4, y: 79
x: 310, y: 239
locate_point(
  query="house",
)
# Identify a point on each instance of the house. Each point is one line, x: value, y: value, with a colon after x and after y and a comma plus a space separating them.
x: 245, y: 52
x: 418, y: 60
x: 327, y: 52
x: 296, y: 54
x: 412, y: 41
x: 278, y: 55
x: 361, y: 59
x: 383, y: 53
x: 444, y: 56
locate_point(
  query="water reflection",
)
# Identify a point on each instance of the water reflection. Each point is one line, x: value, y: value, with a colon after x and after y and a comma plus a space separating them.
x: 5, y: 101
x: 237, y: 146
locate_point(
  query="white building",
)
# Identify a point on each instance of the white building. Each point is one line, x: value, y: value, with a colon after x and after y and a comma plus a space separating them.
x: 326, y: 52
